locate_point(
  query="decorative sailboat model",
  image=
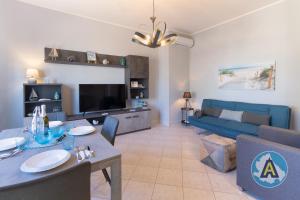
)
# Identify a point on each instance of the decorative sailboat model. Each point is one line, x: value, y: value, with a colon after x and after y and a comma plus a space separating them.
x: 53, y: 54
x: 33, y: 96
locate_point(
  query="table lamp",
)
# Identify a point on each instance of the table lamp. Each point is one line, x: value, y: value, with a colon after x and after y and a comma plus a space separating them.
x: 32, y: 75
x: 187, y: 96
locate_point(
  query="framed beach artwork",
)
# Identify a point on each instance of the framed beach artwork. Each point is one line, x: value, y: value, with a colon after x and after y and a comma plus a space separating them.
x: 250, y: 77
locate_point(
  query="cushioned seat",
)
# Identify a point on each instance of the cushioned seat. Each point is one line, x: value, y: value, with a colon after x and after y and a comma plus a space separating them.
x: 228, y: 124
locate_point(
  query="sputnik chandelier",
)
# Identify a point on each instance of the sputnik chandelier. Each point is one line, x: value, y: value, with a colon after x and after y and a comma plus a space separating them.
x: 158, y: 37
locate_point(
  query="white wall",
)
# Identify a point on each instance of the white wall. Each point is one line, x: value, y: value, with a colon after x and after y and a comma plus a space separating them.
x: 266, y: 36
x: 179, y: 80
x: 173, y: 78
x: 163, y: 84
x: 26, y: 30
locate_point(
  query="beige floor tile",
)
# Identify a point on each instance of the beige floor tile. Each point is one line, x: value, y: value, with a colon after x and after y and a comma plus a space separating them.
x: 193, y: 165
x: 124, y: 184
x: 130, y: 159
x: 170, y: 163
x: 101, y: 191
x: 211, y: 170
x: 196, y: 180
x: 149, y: 161
x: 127, y: 171
x: 97, y: 178
x: 196, y: 194
x: 121, y: 147
x: 146, y: 149
x: 190, y: 147
x: 227, y: 196
x: 169, y: 177
x: 138, y: 191
x: 172, y: 153
x: 145, y: 174
x: 152, y: 151
x: 167, y: 192
x: 193, y: 155
x: 221, y: 184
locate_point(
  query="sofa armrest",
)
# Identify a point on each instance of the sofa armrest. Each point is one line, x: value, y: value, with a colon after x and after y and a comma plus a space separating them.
x: 198, y: 113
x: 280, y: 135
x: 248, y: 147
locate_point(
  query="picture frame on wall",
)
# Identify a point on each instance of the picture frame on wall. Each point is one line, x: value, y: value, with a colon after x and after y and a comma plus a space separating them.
x: 91, y: 57
x: 248, y: 77
x: 134, y: 84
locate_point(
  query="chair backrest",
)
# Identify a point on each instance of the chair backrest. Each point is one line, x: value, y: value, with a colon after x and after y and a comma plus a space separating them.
x: 280, y: 135
x: 280, y: 115
x: 110, y: 128
x: 70, y: 184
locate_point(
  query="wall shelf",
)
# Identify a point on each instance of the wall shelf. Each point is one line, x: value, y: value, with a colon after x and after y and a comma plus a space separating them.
x: 138, y: 88
x: 46, y: 91
x: 81, y: 58
x: 46, y: 101
x: 138, y: 71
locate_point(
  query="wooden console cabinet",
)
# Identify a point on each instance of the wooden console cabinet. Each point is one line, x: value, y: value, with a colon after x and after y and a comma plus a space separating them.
x: 130, y: 120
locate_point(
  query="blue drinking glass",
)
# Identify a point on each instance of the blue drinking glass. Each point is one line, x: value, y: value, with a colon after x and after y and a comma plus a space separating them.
x: 42, y: 137
x: 68, y: 142
x: 56, y: 132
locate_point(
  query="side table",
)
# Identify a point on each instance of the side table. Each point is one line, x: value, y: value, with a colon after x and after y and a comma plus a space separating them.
x: 184, y: 115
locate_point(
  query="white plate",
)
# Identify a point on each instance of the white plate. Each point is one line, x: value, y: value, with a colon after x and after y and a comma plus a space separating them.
x: 10, y: 143
x: 45, y: 161
x: 53, y: 124
x: 82, y: 130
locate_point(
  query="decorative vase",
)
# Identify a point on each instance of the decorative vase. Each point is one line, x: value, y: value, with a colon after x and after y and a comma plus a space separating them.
x: 105, y: 62
x: 123, y: 61
x: 56, y: 96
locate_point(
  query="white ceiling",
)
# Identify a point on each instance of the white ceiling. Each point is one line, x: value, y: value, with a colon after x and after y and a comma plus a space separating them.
x: 183, y: 16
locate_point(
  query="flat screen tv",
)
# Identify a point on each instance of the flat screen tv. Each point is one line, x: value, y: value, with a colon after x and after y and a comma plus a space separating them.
x: 99, y: 97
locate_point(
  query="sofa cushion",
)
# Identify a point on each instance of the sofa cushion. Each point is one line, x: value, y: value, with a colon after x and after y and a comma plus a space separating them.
x: 230, y: 125
x: 232, y: 115
x: 256, y: 119
x: 214, y: 112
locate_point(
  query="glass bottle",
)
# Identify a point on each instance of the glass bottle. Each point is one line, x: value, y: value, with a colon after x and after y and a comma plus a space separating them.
x: 45, y: 119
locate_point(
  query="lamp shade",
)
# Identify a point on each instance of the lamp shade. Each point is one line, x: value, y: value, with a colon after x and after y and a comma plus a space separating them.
x: 187, y: 95
x: 32, y: 73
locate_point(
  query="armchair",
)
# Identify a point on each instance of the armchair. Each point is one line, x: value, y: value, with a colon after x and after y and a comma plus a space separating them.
x: 268, y: 166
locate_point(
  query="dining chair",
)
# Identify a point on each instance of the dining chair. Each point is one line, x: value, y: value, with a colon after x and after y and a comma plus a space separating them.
x: 70, y: 184
x: 109, y: 131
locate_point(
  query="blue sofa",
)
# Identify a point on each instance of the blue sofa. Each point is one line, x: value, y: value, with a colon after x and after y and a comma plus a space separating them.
x: 279, y: 117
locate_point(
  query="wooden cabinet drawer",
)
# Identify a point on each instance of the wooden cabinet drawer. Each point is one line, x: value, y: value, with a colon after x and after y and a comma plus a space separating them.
x: 135, y: 121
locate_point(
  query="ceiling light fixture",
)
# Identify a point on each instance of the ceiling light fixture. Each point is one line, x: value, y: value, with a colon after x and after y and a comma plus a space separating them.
x: 158, y: 37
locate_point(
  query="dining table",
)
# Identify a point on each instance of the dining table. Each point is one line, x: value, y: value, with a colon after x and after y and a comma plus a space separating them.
x: 106, y: 156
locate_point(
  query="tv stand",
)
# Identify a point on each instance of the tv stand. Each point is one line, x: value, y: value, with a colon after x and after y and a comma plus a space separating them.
x: 130, y: 120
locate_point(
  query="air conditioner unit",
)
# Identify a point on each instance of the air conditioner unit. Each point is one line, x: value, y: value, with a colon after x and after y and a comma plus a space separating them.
x: 188, y: 42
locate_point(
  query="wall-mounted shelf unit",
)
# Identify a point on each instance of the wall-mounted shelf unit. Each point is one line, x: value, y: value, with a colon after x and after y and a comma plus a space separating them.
x: 80, y: 58
x: 137, y: 70
x: 44, y: 91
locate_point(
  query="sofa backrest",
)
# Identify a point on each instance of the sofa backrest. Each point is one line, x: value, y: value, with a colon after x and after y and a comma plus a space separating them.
x: 280, y: 115
x: 279, y: 135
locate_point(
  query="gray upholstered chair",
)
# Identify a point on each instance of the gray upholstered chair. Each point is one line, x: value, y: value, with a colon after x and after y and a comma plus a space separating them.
x: 109, y: 131
x: 70, y: 184
x: 268, y: 165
